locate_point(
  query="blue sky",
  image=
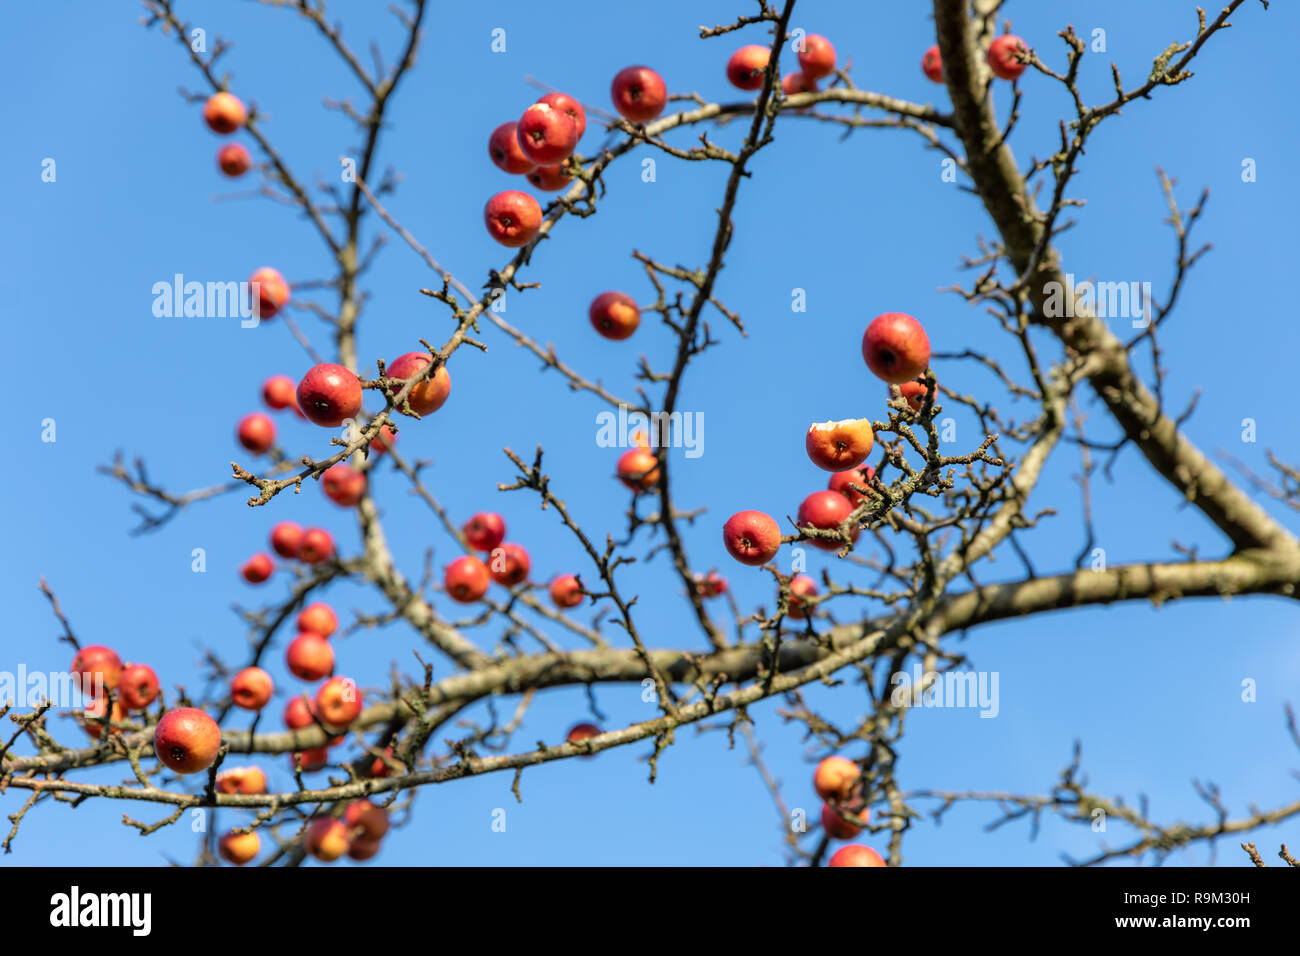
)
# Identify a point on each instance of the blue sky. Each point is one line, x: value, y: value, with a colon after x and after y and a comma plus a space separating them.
x: 865, y: 226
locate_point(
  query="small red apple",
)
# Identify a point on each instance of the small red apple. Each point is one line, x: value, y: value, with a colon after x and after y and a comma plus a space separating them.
x: 233, y: 160
x: 343, y: 484
x: 257, y: 569
x: 513, y: 218
x: 801, y: 586
x: 817, y: 58
x: 239, y: 848
x: 1004, y: 56
x: 825, y: 510
x: 385, y: 440
x: 245, y: 780
x: 915, y: 393
x: 271, y: 291
x: 567, y: 104
x: 286, y: 539
x: 317, y: 546
x: 326, y: 839
x: 318, y: 618
x: 835, y: 778
x: 746, y: 67
x: 251, y: 688
x: 836, y: 826
x: 710, y: 585
x: 509, y: 565
x: 386, y: 766
x: 614, y: 315
x: 138, y: 687
x: 855, y: 855
x: 932, y: 64
x: 549, y: 178
x: 309, y: 657
x: 485, y: 531
x: 466, y: 579
x: 503, y: 147
x: 338, y: 702
x: 96, y: 663
x: 299, y: 713
x: 429, y: 395
x: 329, y: 394
x: 546, y: 135
x: 256, y: 432
x: 361, y: 849
x: 91, y: 719
x: 310, y: 760
x: 565, y: 590
x: 187, y: 740
x: 638, y: 469
x: 797, y: 82
x: 580, y: 732
x: 895, y: 347
x: 366, y: 820
x: 639, y: 93
x: 861, y: 476
x: 224, y: 113
x: 751, y: 537
x: 278, y: 392
x: 837, y: 446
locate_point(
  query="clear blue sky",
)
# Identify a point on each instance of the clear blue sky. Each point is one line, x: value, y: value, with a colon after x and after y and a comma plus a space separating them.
x: 865, y: 226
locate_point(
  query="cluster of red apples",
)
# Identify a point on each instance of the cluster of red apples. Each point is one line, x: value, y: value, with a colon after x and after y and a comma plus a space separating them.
x: 838, y: 781
x: 1007, y: 58
x: 896, y: 349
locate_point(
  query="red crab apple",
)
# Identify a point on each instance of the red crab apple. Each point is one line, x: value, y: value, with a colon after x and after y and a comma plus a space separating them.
x: 512, y: 218
x: 343, y: 484
x: 614, y: 315
x: 251, y: 688
x: 797, y: 82
x: 817, y: 58
x: 239, y: 848
x: 746, y: 66
x: 382, y: 442
x: 509, y: 564
x: 245, y: 780
x: 256, y: 432
x: 836, y: 826
x: 278, y: 392
x: 801, y: 586
x: 361, y: 849
x: 751, y: 537
x: 366, y: 820
x: 309, y: 657
x: 546, y: 135
x: 567, y: 104
x: 310, y: 760
x: 90, y: 718
x: 836, y: 446
x: 386, y: 765
x: 96, y: 663
x: 317, y: 545
x: 825, y: 510
x: 271, y: 290
x: 549, y: 178
x: 318, y: 618
x: 895, y: 347
x: 503, y: 147
x: 137, y: 687
x: 466, y: 579
x: 299, y: 713
x: 326, y: 839
x: 639, y: 93
x: 835, y: 778
x: 638, y: 469
x: 932, y: 64
x: 855, y: 855
x: 580, y: 732
x: 841, y: 480
x: 710, y: 585
x: 429, y: 395
x: 565, y: 590
x: 1004, y: 58
x: 286, y: 538
x: 915, y: 393
x: 224, y: 113
x: 329, y: 394
x: 187, y: 740
x: 338, y: 702
x: 485, y: 530
x: 257, y: 568
x: 233, y: 159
